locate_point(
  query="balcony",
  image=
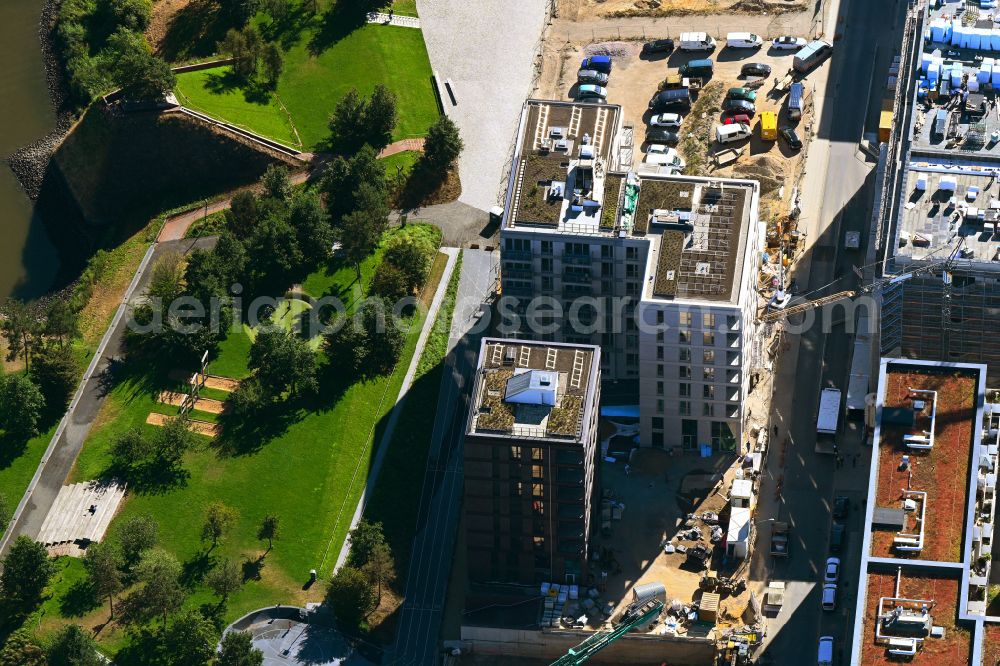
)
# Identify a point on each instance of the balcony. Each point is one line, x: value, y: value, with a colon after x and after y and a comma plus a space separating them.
x: 570, y: 476
x: 518, y: 289
x: 577, y: 276
x: 733, y: 340
x: 577, y: 259
x: 733, y: 360
x: 518, y: 274
x: 733, y: 377
x: 522, y: 255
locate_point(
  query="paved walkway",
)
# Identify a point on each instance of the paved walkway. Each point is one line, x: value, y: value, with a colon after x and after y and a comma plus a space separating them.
x: 83, y: 410
x: 401, y: 147
x: 394, y: 19
x: 383, y: 444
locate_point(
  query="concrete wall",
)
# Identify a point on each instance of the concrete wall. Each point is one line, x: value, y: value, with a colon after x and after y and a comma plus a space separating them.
x: 630, y: 649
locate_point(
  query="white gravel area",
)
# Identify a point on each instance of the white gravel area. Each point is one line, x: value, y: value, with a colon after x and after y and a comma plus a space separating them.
x: 487, y: 49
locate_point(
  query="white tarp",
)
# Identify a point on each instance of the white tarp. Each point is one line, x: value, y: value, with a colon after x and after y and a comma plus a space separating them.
x: 949, y: 183
x: 985, y: 71
x: 934, y: 71
x: 995, y: 40
x: 829, y: 411
x: 974, y: 37
x: 738, y: 534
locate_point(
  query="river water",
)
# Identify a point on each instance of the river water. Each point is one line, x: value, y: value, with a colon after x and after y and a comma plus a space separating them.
x: 28, y: 261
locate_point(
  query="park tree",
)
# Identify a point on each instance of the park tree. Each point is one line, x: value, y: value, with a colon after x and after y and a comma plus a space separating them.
x: 103, y: 562
x: 166, y: 279
x: 239, y: 11
x: 347, y: 124
x: 54, y: 371
x: 242, y: 215
x: 21, y: 406
x: 312, y: 227
x: 276, y: 9
x: 442, y: 146
x: 26, y: 571
x: 62, y: 322
x: 191, y: 639
x: 411, y: 254
x: 380, y: 569
x: 344, y: 178
x: 224, y: 579
x: 231, y: 258
x: 369, y: 343
x: 365, y: 538
x: 219, y: 518
x: 275, y: 250
x: 269, y: 530
x: 135, y: 69
x: 276, y: 183
x: 272, y: 62
x: 171, y: 441
x: 20, y: 327
x: 160, y: 593
x: 243, y: 46
x: 130, y: 451
x: 237, y: 650
x: 283, y: 362
x: 73, y: 646
x: 389, y: 282
x: 351, y: 596
x: 132, y: 14
x: 380, y: 116
x: 247, y: 400
x: 22, y: 649
x: 204, y: 277
x: 136, y: 535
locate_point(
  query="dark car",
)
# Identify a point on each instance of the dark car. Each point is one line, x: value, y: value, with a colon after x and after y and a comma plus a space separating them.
x: 740, y: 106
x: 841, y: 507
x: 791, y: 138
x: 675, y: 98
x: 836, y: 537
x: 755, y: 69
x: 658, y: 135
x: 658, y: 46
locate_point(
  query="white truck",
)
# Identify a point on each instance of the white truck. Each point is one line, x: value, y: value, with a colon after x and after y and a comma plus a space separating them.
x: 829, y: 412
x: 696, y: 41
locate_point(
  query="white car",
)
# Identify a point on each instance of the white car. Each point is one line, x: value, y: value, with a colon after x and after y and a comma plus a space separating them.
x: 832, y: 573
x: 743, y: 40
x: 788, y: 43
x: 667, y: 158
x: 672, y: 120
x: 657, y: 148
x: 830, y: 597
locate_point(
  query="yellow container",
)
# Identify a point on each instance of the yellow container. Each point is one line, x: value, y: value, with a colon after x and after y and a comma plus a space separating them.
x: 768, y: 126
x: 884, y: 125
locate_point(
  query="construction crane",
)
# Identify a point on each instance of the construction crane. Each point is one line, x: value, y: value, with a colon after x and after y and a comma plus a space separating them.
x: 635, y: 615
x: 946, y: 265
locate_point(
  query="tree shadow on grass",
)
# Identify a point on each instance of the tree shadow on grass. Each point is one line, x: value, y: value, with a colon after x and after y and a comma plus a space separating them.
x: 252, y: 568
x: 339, y: 21
x: 288, y: 29
x: 79, y: 600
x: 254, y: 92
x: 421, y: 184
x: 195, y: 31
x: 244, y: 435
x: 11, y: 448
x: 193, y: 571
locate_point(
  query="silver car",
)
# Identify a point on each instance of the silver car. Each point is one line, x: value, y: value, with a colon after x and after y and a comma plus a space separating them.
x: 592, y: 76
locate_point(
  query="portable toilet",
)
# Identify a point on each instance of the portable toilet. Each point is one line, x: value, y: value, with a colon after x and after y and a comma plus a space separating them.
x: 768, y: 125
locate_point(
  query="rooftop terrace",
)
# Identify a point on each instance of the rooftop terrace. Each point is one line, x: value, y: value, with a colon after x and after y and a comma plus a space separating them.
x: 528, y: 389
x: 928, y: 414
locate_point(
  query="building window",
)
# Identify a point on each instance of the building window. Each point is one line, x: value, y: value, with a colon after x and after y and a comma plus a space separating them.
x: 708, y: 374
x: 707, y: 409
x: 659, y: 353
x: 722, y: 436
x: 517, y: 489
x: 547, y: 264
x: 684, y: 390
x: 657, y: 440
x: 659, y: 316
x: 659, y: 388
x: 515, y: 453
x: 732, y: 321
x: 708, y: 392
x: 538, y: 454
x: 538, y: 490
x: 547, y: 282
x: 632, y: 253
x: 659, y: 370
x: 546, y: 247
x: 708, y: 339
x: 708, y: 321
x: 689, y: 434
x: 657, y: 423
x: 684, y: 355
x: 607, y: 252
x: 537, y: 472
x: 684, y: 407
x: 708, y: 357
x: 659, y: 405
x: 684, y: 371
x: 631, y: 359
x: 607, y: 269
x: 659, y: 336
x: 684, y: 318
x: 684, y: 337
x: 631, y: 289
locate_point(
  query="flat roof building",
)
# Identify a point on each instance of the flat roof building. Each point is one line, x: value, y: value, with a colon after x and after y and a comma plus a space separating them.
x: 530, y: 461
x: 659, y: 270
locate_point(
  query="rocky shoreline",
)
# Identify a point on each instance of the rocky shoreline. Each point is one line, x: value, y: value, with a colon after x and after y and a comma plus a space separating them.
x: 30, y: 162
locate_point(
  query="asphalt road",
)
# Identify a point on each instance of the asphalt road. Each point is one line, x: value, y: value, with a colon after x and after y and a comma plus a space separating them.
x: 441, y: 497
x: 868, y: 35
x: 80, y: 420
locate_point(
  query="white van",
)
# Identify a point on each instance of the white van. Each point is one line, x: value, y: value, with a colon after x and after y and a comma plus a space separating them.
x: 669, y: 157
x: 830, y: 597
x: 825, y: 656
x: 731, y: 133
x: 696, y: 41
x: 743, y: 40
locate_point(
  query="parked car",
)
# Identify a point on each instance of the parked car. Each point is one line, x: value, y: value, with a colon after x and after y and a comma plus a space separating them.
x: 743, y: 40
x: 732, y: 133
x: 791, y: 138
x: 657, y: 148
x: 836, y: 537
x: 841, y: 507
x: 662, y: 136
x: 675, y: 98
x: 824, y: 656
x: 700, y: 68
x: 669, y: 158
x: 658, y: 46
x: 742, y: 93
x: 696, y: 41
x: 829, y: 602
x: 600, y: 63
x: 590, y: 91
x: 672, y: 120
x: 755, y: 69
x: 592, y: 76
x: 788, y: 43
x: 832, y: 572
x: 741, y: 106
x: 736, y: 119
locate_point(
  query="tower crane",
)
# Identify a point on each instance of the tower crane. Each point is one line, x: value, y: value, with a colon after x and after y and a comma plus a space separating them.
x: 945, y: 265
x: 635, y: 615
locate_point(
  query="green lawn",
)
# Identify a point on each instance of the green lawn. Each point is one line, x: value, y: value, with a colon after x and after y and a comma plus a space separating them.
x: 213, y: 92
x: 310, y: 470
x: 404, y: 160
x: 18, y: 465
x: 316, y: 76
x: 407, y: 7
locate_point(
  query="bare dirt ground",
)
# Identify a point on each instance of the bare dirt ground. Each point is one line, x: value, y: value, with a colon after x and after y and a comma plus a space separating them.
x: 209, y: 405
x: 588, y: 9
x: 199, y: 427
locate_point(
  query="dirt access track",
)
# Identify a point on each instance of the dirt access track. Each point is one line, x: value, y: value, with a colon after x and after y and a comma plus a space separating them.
x: 589, y: 10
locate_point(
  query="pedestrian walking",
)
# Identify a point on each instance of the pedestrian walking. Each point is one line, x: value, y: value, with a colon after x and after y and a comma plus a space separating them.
x: 391, y: 14
x: 776, y: 431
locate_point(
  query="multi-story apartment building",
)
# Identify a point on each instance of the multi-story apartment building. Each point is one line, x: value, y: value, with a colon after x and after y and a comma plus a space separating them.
x: 531, y: 461
x: 657, y: 269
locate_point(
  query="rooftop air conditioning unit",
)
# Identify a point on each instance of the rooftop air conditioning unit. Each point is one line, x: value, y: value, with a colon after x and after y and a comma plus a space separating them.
x: 562, y: 144
x: 557, y: 132
x: 509, y: 355
x: 909, y: 505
